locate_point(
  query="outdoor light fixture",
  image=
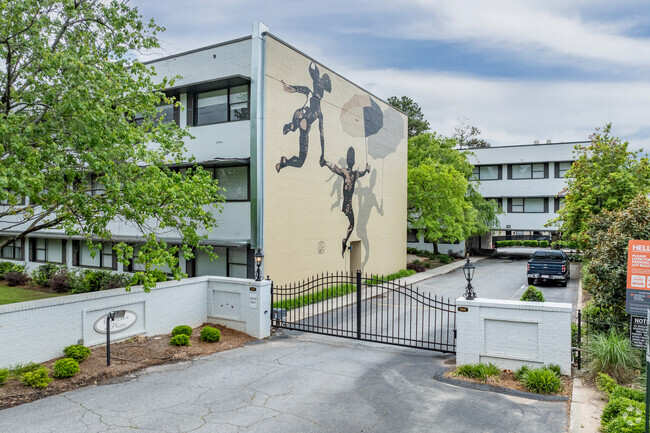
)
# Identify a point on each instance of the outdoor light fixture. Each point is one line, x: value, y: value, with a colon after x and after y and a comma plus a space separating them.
x: 258, y: 262
x: 468, y: 270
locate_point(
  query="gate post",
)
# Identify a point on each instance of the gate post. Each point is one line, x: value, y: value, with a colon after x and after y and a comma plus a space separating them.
x: 358, y: 304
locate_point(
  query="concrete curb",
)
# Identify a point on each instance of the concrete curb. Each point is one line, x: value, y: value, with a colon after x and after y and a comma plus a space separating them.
x: 498, y: 389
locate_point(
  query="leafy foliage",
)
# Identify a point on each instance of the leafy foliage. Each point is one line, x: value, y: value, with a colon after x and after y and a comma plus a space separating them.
x: 542, y: 381
x: 467, y: 135
x: 479, y: 371
x: 416, y: 123
x: 14, y: 278
x: 532, y: 294
x: 73, y: 157
x: 605, y: 383
x: 442, y: 202
x: 43, y: 274
x: 611, y: 353
x: 65, y: 367
x: 210, y: 334
x: 180, y: 340
x: 18, y: 370
x: 314, y: 297
x: 4, y: 376
x: 6, y: 267
x: 78, y: 352
x: 38, y: 378
x: 604, y: 176
x: 182, y: 329
x: 610, y: 233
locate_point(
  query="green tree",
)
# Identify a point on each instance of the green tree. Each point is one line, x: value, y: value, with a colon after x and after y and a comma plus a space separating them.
x: 73, y: 158
x: 468, y: 135
x: 442, y: 201
x: 610, y: 232
x: 417, y: 125
x: 604, y: 176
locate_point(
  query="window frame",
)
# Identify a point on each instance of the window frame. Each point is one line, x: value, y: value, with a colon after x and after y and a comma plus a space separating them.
x: 476, y: 172
x: 76, y: 256
x: 33, y: 248
x: 213, y: 168
x: 559, y: 173
x: 532, y: 168
x: 412, y: 234
x: 522, y: 206
x: 20, y: 248
x: 193, y: 109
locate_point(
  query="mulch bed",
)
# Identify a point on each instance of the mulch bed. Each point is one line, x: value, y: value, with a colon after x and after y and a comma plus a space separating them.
x: 127, y: 357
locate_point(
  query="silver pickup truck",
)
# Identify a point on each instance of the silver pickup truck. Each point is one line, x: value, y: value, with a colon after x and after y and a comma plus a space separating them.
x: 548, y: 265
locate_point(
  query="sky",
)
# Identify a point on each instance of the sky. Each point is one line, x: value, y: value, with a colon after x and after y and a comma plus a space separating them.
x: 519, y: 70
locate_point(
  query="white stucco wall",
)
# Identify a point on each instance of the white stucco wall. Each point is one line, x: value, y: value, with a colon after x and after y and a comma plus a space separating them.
x: 513, y: 333
x: 39, y: 330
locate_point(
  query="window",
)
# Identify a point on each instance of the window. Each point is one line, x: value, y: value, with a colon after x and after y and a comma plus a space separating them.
x: 558, y: 203
x: 104, y: 257
x: 12, y: 200
x: 561, y: 168
x: 13, y: 251
x: 233, y: 181
x: 498, y: 201
x: 487, y: 172
x: 222, y: 105
x: 165, y: 113
x: 412, y: 235
x: 528, y: 171
x: 528, y: 205
x: 47, y: 250
x: 94, y: 187
x: 237, y: 262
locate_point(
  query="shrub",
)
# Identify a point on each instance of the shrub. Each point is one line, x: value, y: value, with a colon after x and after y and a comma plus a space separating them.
x: 4, y: 376
x: 182, y: 329
x: 479, y: 371
x: 95, y: 280
x: 416, y: 261
x: 15, y: 278
x: 77, y: 352
x: 60, y: 281
x: 416, y: 268
x: 532, y: 294
x: 631, y: 421
x: 444, y: 258
x: 542, y: 381
x: 180, y: 340
x: 522, y: 372
x: 555, y: 368
x: 210, y: 334
x: 543, y: 244
x: 43, y: 274
x: 611, y: 353
x: 18, y: 370
x: 138, y: 279
x: 632, y: 394
x: 66, y: 367
x: 616, y: 406
x: 37, y: 379
x: 6, y: 267
x: 605, y: 383
x: 602, y: 317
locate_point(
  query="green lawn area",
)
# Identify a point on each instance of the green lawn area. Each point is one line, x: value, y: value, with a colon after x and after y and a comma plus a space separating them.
x: 9, y: 295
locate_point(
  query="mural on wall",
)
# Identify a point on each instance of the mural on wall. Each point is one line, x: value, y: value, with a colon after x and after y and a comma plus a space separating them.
x: 362, y: 119
x: 350, y: 177
x: 304, y: 116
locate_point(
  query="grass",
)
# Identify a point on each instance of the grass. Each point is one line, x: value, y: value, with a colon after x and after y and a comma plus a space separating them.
x: 10, y: 295
x: 478, y: 371
x: 312, y: 298
x: 376, y: 279
x: 611, y: 353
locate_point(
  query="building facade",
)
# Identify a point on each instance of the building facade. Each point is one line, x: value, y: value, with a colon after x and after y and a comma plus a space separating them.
x: 313, y: 167
x: 528, y: 182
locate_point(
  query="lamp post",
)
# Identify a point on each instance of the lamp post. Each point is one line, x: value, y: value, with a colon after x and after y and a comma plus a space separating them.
x: 258, y: 262
x: 468, y: 270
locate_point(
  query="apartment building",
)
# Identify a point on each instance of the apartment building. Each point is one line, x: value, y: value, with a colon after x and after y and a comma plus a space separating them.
x: 313, y: 167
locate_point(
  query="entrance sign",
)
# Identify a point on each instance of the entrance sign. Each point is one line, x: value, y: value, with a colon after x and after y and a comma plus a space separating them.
x: 637, y: 296
x: 121, y: 322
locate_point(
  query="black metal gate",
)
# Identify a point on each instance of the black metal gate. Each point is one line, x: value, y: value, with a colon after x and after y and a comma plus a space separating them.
x: 366, y: 308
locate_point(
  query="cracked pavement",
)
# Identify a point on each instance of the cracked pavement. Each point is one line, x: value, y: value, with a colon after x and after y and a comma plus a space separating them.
x: 293, y: 382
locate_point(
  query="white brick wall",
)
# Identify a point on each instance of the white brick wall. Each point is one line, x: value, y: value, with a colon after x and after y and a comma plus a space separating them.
x: 39, y: 330
x: 513, y: 333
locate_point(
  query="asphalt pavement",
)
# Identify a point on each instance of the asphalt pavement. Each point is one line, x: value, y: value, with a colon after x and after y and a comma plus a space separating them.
x: 292, y: 382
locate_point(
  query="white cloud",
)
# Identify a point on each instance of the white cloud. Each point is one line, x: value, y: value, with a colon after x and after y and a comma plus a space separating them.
x: 518, y: 112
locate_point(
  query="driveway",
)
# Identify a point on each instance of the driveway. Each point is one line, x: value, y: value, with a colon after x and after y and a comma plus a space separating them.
x: 293, y: 382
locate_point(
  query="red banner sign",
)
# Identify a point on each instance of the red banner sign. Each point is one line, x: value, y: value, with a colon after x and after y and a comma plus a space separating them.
x: 638, y: 265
